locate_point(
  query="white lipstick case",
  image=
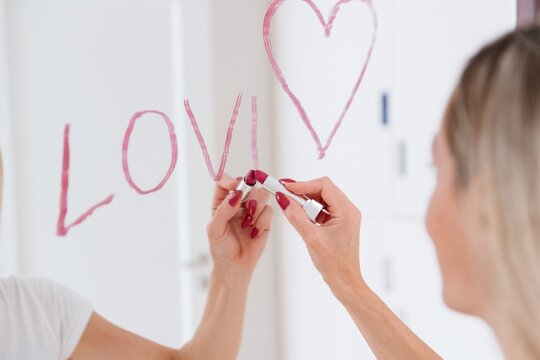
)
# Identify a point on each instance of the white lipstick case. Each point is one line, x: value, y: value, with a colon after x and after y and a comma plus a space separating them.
x: 311, y: 207
x: 245, y: 188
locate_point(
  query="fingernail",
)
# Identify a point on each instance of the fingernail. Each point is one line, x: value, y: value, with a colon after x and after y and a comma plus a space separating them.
x: 252, y: 207
x: 282, y: 200
x: 235, y: 196
x: 246, y: 221
x: 254, y: 232
x: 287, y: 180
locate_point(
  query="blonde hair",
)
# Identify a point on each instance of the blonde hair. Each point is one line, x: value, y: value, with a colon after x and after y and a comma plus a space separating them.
x: 493, y: 129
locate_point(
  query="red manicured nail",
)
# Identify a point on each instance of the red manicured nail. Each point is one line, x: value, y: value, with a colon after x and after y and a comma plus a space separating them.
x: 252, y: 207
x: 235, y: 196
x: 246, y: 221
x: 282, y: 200
x: 254, y: 232
x: 287, y: 180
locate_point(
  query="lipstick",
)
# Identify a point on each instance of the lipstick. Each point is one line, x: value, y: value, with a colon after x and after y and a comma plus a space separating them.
x: 311, y: 207
x: 246, y: 184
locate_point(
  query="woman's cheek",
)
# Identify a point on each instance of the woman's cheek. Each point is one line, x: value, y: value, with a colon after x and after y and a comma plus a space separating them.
x: 431, y: 216
x: 439, y: 230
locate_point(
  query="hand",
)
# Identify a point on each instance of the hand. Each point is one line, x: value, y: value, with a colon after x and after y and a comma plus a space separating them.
x: 238, y: 236
x: 334, y: 244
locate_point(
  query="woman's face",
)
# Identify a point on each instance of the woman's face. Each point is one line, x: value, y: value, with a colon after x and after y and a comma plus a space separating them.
x: 458, y: 236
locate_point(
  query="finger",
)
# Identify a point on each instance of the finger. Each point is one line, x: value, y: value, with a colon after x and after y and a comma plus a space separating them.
x: 296, y: 216
x: 263, y: 222
x: 222, y: 189
x: 250, y: 209
x: 225, y: 211
x: 262, y: 196
x: 322, y: 188
x: 257, y: 199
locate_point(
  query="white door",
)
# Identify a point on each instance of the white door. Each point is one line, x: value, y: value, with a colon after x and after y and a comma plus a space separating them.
x: 142, y: 259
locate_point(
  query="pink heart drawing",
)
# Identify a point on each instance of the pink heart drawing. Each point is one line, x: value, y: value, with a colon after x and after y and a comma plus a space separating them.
x: 274, y: 6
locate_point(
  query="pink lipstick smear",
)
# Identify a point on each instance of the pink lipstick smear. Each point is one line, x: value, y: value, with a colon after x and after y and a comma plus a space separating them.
x: 61, y: 228
x: 125, y: 146
x: 327, y: 25
x: 254, y: 121
x: 204, y: 149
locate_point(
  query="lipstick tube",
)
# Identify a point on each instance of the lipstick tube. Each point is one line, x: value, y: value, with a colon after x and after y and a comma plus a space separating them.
x: 246, y: 184
x: 311, y: 207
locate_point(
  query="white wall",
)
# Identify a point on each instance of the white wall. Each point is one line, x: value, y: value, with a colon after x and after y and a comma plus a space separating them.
x: 224, y: 57
x: 93, y: 64
x: 240, y: 66
x: 8, y: 229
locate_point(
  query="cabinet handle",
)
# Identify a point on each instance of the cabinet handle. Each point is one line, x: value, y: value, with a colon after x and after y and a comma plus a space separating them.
x: 385, y: 115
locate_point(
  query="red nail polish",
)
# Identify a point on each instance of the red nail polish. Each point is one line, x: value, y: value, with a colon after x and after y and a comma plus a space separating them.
x: 282, y: 200
x: 252, y: 207
x: 254, y: 232
x: 287, y: 180
x: 235, y: 196
x: 246, y: 221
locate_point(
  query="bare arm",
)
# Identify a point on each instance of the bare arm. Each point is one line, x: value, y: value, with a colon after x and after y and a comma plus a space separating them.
x: 220, y: 331
x: 387, y: 336
x: 334, y: 249
x: 218, y: 335
x: 235, y: 252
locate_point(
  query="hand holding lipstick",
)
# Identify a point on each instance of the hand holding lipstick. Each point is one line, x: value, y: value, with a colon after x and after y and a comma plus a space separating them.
x: 334, y: 244
x: 238, y: 235
x: 313, y: 209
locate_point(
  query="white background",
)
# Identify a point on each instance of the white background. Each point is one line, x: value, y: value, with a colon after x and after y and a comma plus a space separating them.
x: 94, y: 63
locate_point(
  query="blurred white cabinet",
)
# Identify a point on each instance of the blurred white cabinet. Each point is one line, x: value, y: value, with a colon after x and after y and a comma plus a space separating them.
x: 360, y: 160
x: 384, y: 168
x: 434, y: 40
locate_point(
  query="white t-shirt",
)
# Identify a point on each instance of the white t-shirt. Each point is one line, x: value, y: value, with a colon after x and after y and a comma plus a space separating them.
x: 40, y: 319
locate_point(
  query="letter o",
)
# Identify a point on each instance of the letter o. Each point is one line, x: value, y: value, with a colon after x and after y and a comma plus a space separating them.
x: 125, y: 145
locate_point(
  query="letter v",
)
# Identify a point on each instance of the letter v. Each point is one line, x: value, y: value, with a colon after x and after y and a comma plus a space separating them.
x: 219, y: 175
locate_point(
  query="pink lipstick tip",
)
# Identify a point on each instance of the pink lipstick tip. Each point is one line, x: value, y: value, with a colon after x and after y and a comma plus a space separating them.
x: 261, y: 176
x: 251, y: 178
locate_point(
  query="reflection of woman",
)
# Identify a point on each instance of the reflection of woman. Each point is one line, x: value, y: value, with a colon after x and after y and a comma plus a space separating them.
x: 42, y: 320
x: 484, y: 215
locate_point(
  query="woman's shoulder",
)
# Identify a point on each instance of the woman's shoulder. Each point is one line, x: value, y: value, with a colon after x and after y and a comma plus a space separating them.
x: 44, y: 313
x: 38, y: 293
x: 21, y: 286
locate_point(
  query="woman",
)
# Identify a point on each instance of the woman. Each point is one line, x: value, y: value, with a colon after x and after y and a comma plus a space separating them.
x: 42, y: 320
x: 484, y: 215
